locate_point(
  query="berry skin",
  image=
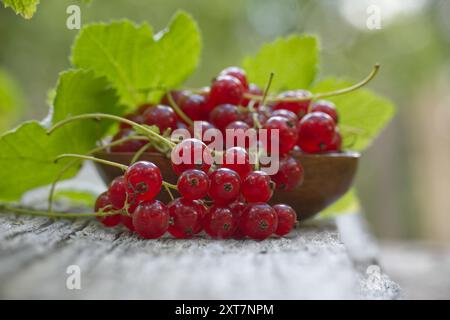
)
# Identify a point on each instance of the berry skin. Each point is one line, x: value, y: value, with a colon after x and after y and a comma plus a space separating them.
x: 315, y: 132
x: 193, y: 184
x: 220, y: 222
x: 138, y: 118
x: 290, y: 174
x: 238, y: 73
x: 203, y: 127
x: 103, y: 203
x: 258, y: 221
x: 287, y: 134
x: 191, y: 154
x: 300, y: 108
x: 129, y: 145
x: 226, y: 90
x: 177, y: 95
x: 238, y: 160
x: 223, y: 115
x: 286, y: 219
x: 117, y: 192
x: 237, y: 133
x: 238, y: 125
x: 292, y: 117
x: 225, y: 186
x: 143, y: 182
x: 257, y: 187
x: 336, y: 143
x: 151, y: 219
x: 238, y: 209
x: 185, y: 217
x: 254, y: 90
x: 161, y: 116
x: 327, y: 107
x: 248, y: 118
x: 195, y: 107
x: 127, y: 221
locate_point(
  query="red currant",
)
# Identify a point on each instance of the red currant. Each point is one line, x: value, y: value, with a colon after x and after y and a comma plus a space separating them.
x: 178, y: 97
x: 103, y: 203
x: 248, y: 118
x: 257, y: 187
x: 286, y: 219
x: 142, y: 108
x: 287, y: 134
x: 202, y: 126
x: 226, y: 90
x: 127, y: 221
x: 117, y: 192
x: 292, y: 117
x: 162, y: 116
x: 258, y: 221
x: 185, y: 217
x: 315, y: 132
x: 336, y: 143
x: 223, y: 115
x: 327, y: 107
x: 225, y: 185
x: 129, y: 145
x: 151, y: 219
x: 238, y: 160
x: 237, y: 132
x: 143, y: 181
x: 254, y: 90
x: 191, y: 154
x: 195, y: 107
x: 238, y: 209
x: 220, y: 222
x: 290, y: 174
x: 238, y: 73
x: 138, y: 118
x: 300, y: 108
x: 193, y: 184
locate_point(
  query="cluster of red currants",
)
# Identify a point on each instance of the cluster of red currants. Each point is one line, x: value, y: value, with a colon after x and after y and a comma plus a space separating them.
x: 238, y: 206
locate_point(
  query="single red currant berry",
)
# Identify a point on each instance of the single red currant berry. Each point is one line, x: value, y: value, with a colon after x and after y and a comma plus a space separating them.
x: 253, y: 89
x: 336, y: 143
x: 138, y: 118
x: 129, y: 145
x: 226, y: 90
x: 220, y: 222
x: 315, y: 132
x: 300, y: 108
x: 289, y: 175
x: 257, y: 187
x: 178, y: 97
x: 258, y: 221
x: 127, y: 221
x: 292, y: 117
x: 199, y: 128
x: 143, y: 181
x: 193, y: 184
x: 185, y: 217
x: 191, y: 154
x: 238, y: 209
x: 161, y: 116
x: 286, y: 219
x: 195, y: 107
x: 327, y: 107
x: 238, y: 160
x: 287, y: 133
x: 238, y: 73
x: 225, y: 185
x: 151, y: 219
x: 103, y: 204
x: 223, y: 115
x: 117, y: 192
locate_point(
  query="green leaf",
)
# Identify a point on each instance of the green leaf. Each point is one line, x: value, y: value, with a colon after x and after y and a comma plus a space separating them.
x: 135, y: 61
x: 11, y: 103
x: 26, y: 8
x: 293, y: 60
x: 362, y: 113
x: 349, y: 203
x: 28, y: 153
x: 75, y: 197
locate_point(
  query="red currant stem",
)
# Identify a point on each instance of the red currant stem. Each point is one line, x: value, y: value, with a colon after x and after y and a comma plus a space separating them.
x: 354, y: 87
x: 169, y: 185
x: 351, y: 129
x: 84, y: 157
x: 178, y: 110
x: 266, y: 90
x: 98, y: 116
x: 139, y: 153
x: 32, y: 212
x: 75, y: 161
x: 169, y: 192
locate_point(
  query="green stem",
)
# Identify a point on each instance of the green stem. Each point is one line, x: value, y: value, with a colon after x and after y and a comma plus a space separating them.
x: 169, y: 192
x: 178, y: 110
x: 139, y: 153
x: 169, y: 185
x: 27, y: 211
x: 80, y: 156
x: 98, y: 116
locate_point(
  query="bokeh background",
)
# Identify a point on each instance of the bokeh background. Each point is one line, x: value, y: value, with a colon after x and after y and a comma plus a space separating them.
x: 404, y: 178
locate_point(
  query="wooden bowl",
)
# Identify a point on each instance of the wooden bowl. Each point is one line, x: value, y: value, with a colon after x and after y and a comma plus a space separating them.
x: 327, y: 178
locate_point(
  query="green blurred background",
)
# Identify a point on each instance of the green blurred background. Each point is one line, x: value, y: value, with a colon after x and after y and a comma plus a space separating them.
x: 404, y: 178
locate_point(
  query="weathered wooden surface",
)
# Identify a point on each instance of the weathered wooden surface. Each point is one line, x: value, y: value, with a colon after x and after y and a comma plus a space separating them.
x: 312, y: 263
